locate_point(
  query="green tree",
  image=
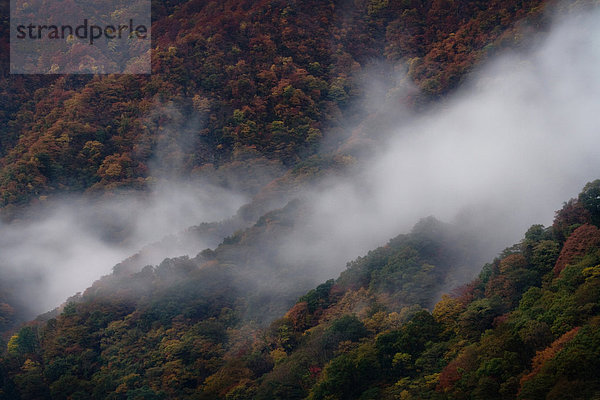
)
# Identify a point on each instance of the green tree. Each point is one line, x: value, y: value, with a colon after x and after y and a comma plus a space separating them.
x: 590, y: 199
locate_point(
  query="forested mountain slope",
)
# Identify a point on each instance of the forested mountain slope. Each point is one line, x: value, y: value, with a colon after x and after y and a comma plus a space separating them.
x: 242, y: 95
x: 527, y: 327
x: 211, y: 307
x: 262, y: 97
x: 267, y: 78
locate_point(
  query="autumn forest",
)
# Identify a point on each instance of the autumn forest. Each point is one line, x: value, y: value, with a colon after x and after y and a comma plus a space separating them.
x: 366, y: 199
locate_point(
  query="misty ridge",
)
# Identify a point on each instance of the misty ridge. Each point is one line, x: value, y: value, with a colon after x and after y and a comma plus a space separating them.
x: 74, y: 241
x: 498, y: 156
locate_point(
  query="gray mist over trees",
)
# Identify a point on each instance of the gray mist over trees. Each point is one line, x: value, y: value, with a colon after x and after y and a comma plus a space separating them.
x: 68, y: 244
x: 503, y: 153
x: 520, y: 138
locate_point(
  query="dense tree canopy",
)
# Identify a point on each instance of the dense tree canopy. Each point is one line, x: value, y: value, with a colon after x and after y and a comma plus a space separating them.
x: 271, y: 76
x: 192, y: 328
x: 238, y: 85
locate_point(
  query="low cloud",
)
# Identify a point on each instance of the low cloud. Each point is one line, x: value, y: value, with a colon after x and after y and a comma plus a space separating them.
x: 505, y: 152
x: 72, y: 242
x: 520, y: 138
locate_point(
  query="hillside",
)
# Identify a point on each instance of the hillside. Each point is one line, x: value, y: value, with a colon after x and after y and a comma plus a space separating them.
x: 210, y: 307
x: 264, y: 78
x: 336, y: 125
x: 527, y: 327
x: 259, y: 97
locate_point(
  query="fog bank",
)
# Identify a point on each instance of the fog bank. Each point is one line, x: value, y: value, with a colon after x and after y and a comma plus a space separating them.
x: 519, y: 139
x: 74, y: 241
